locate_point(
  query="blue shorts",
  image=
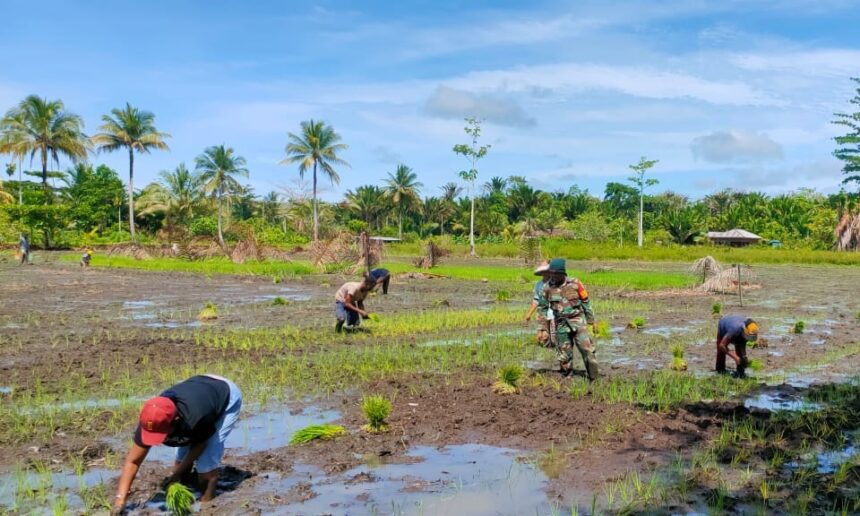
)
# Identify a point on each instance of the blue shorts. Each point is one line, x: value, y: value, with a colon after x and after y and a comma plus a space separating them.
x: 211, y: 457
x: 342, y: 313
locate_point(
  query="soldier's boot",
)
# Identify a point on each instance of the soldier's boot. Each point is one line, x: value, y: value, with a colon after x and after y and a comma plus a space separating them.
x: 591, y: 369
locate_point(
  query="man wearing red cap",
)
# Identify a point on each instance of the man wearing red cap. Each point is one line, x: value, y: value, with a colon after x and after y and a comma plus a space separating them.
x: 195, y: 416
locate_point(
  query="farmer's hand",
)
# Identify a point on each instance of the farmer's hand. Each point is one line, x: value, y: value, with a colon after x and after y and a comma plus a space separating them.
x: 173, y: 477
x: 365, y: 315
x: 528, y: 317
x: 118, y: 507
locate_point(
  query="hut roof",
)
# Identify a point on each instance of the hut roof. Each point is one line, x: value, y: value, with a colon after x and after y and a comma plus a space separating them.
x: 736, y: 235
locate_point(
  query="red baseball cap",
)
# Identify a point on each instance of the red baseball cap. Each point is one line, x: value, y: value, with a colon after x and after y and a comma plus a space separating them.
x: 156, y: 420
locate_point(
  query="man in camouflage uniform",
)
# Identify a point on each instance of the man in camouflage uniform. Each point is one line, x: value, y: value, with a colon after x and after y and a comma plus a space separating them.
x: 568, y: 303
x: 539, y: 305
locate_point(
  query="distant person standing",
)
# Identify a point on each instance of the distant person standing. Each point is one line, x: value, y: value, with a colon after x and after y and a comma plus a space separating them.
x: 735, y: 330
x: 87, y: 257
x: 380, y: 277
x: 24, y: 248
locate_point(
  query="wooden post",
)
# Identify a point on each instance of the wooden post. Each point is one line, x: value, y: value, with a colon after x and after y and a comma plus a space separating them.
x: 740, y: 285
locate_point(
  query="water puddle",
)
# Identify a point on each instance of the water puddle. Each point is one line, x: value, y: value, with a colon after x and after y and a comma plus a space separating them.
x: 462, y: 480
x: 6, y: 391
x: 175, y: 324
x: 780, y: 401
x: 830, y: 461
x: 31, y: 492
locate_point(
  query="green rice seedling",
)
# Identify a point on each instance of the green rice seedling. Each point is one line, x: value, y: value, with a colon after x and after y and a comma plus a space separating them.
x: 756, y: 365
x: 858, y: 316
x: 179, y: 499
x: 717, y: 309
x: 209, y: 312
x: 602, y: 329
x: 798, y: 327
x: 60, y: 505
x: 376, y: 408
x: 279, y: 301
x: 507, y: 379
x: 374, y: 317
x: 637, y: 323
x: 503, y: 295
x: 678, y: 362
x: 322, y: 432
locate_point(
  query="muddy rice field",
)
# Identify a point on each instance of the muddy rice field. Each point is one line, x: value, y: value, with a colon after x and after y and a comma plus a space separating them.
x: 81, y: 349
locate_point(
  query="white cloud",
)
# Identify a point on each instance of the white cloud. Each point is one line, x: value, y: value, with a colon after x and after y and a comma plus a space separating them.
x: 451, y: 103
x: 813, y: 63
x: 734, y: 145
x: 630, y: 80
x: 823, y: 174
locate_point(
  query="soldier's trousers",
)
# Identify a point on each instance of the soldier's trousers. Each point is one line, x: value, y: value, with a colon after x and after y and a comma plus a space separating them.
x: 582, y: 341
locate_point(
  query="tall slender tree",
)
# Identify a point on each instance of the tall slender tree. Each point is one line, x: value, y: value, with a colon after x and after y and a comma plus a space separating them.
x: 849, y: 143
x: 132, y: 129
x: 641, y: 183
x: 217, y: 167
x: 472, y: 152
x: 316, y: 147
x: 402, y: 188
x: 450, y: 191
x: 175, y: 195
x: 43, y: 127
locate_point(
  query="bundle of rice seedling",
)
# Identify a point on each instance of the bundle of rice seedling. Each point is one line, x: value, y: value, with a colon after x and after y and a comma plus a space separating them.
x: 503, y: 295
x: 376, y: 408
x: 755, y: 365
x: 314, y: 432
x: 209, y: 312
x: 717, y: 309
x: 798, y: 328
x: 279, y: 301
x: 507, y: 379
x: 707, y: 267
x: 678, y: 362
x: 179, y: 499
x: 602, y: 329
x: 637, y: 323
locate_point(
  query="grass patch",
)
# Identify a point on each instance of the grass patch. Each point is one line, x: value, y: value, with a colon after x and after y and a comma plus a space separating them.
x: 376, y: 409
x: 210, y: 266
x: 317, y: 432
x: 637, y: 280
x: 580, y: 250
x: 179, y: 499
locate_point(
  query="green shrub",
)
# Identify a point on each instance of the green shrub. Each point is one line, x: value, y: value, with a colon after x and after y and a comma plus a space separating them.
x: 179, y: 499
x: 507, y: 379
x: 376, y: 408
x: 314, y: 432
x: 204, y: 226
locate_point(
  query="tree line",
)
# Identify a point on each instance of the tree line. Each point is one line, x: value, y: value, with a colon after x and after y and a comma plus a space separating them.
x: 89, y: 203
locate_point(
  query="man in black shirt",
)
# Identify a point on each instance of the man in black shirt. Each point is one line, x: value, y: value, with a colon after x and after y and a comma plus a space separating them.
x: 737, y: 331
x: 195, y: 416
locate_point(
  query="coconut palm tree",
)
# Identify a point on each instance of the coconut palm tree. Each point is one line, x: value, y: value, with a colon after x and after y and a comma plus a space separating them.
x: 450, y: 191
x: 132, y: 129
x: 316, y: 147
x: 402, y: 188
x: 366, y: 202
x: 175, y: 195
x: 217, y: 166
x: 44, y: 127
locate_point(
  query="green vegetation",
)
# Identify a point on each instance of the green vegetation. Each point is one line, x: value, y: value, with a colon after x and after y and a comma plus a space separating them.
x: 798, y: 327
x: 503, y: 295
x: 717, y: 309
x: 376, y: 409
x: 637, y: 323
x: 756, y: 365
x: 209, y: 266
x: 314, y: 432
x: 603, y: 330
x: 209, y: 312
x: 507, y: 379
x: 179, y: 499
x: 279, y: 301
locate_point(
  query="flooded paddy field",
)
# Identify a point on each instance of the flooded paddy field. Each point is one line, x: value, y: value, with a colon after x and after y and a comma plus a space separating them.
x: 80, y: 350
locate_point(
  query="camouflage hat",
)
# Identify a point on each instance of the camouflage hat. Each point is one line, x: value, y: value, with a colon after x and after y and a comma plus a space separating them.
x: 558, y: 265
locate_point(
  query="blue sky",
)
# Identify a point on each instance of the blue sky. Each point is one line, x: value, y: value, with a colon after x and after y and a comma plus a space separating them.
x: 726, y: 93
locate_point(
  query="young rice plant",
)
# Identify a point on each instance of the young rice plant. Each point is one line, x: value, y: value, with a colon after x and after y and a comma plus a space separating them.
x: 209, y: 312
x: 179, y: 499
x: 376, y: 408
x: 314, y: 432
x: 507, y: 379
